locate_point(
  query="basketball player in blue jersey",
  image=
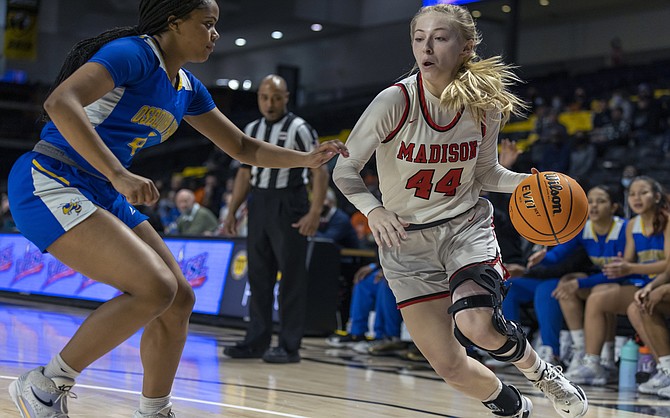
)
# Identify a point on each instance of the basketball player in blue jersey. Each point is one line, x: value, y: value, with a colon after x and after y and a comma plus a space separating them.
x: 435, y: 136
x: 73, y: 196
x: 645, y: 256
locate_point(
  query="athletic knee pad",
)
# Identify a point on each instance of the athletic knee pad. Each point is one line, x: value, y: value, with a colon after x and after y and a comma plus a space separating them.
x: 489, y: 279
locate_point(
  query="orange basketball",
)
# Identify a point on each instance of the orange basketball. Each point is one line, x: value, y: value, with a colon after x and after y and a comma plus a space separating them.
x: 548, y: 208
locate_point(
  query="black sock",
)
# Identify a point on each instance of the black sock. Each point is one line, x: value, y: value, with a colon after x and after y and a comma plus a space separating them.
x: 507, y: 403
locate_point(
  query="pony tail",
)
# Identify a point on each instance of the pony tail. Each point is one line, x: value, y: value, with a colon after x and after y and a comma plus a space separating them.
x: 483, y: 85
x: 83, y: 51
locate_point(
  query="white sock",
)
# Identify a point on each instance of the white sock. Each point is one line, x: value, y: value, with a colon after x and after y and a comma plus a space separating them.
x: 577, y: 338
x: 607, y: 353
x: 153, y: 405
x: 591, y: 360
x: 59, y: 368
x: 664, y: 362
x: 495, y: 394
x: 534, y: 372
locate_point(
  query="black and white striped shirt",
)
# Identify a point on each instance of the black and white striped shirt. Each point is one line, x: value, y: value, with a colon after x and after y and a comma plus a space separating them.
x: 290, y: 132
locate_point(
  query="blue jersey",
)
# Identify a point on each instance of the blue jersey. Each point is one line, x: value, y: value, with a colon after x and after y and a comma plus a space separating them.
x: 50, y: 196
x: 649, y: 248
x: 144, y: 108
x: 601, y: 249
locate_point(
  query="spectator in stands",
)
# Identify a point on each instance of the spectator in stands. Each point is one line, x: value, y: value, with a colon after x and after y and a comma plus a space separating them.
x: 616, y: 132
x: 212, y: 192
x: 582, y: 157
x: 547, y: 119
x: 534, y: 98
x: 649, y: 314
x: 336, y: 225
x: 646, y: 118
x: 116, y: 94
x: 167, y: 209
x: 600, y: 118
x: 603, y: 238
x: 580, y: 101
x: 600, y: 113
x: 241, y: 216
x: 556, y: 104
x: 371, y: 293
x: 551, y: 152
x: 281, y: 217
x: 646, y: 253
x: 194, y: 219
x: 620, y: 99
x: 7, y: 223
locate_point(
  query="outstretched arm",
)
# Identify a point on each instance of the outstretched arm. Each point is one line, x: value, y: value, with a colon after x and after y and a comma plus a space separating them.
x: 225, y: 135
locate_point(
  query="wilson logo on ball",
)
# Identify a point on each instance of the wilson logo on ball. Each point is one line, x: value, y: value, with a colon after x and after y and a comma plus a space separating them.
x: 554, y: 183
x: 548, y: 208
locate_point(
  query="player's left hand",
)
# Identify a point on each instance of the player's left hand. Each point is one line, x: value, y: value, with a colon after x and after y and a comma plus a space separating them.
x: 324, y: 152
x: 308, y: 224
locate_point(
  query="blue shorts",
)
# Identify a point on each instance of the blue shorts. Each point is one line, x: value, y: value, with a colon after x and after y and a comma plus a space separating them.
x: 48, y: 198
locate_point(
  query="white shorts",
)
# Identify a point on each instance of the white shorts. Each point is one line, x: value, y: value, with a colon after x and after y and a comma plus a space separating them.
x: 420, y: 268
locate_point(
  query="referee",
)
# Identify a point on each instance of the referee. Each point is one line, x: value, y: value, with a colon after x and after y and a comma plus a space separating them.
x: 280, y: 220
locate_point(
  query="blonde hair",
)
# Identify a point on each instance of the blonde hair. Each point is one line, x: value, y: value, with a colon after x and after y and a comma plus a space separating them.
x: 480, y: 84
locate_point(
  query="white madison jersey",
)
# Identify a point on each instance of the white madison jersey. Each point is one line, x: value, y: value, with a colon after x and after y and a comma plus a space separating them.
x: 432, y: 163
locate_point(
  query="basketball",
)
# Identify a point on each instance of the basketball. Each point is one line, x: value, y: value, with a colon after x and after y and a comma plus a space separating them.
x: 548, y: 208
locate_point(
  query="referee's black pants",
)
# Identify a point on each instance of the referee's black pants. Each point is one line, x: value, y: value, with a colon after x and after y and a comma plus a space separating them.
x: 272, y: 245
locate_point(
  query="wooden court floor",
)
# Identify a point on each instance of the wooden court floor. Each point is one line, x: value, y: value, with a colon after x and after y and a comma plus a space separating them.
x: 327, y: 383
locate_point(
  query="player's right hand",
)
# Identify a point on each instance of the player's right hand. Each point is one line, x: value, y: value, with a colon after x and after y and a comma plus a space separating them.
x: 387, y: 227
x: 138, y: 190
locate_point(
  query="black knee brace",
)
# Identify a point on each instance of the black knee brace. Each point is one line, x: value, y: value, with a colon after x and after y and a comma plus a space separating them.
x: 489, y: 279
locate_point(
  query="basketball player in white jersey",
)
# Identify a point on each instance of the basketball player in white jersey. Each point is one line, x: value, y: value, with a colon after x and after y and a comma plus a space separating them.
x: 435, y: 137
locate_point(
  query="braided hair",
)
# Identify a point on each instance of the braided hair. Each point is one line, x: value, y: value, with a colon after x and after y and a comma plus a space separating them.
x: 155, y: 16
